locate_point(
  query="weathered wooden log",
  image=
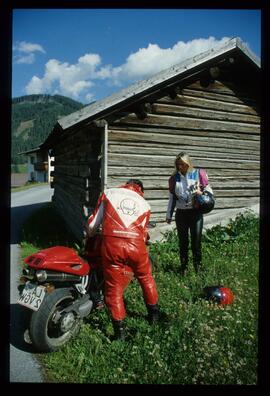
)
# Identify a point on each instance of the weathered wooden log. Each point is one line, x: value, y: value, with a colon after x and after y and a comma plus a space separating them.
x: 141, y: 110
x: 243, y: 192
x: 75, y: 211
x: 76, y: 227
x: 209, y: 152
x: 157, y: 183
x: 219, y: 87
x: 69, y: 199
x: 210, y: 104
x: 72, y: 145
x: 80, y: 168
x: 180, y: 141
x: 183, y: 132
x: 132, y: 171
x: 159, y: 161
x: 77, y: 182
x: 220, y: 97
x: 186, y: 111
x: 192, y: 123
x: 221, y: 203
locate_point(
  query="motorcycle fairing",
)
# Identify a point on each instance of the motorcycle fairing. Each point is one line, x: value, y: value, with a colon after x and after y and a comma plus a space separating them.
x: 58, y: 258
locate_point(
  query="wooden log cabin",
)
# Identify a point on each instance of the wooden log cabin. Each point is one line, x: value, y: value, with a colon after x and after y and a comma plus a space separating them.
x: 208, y: 106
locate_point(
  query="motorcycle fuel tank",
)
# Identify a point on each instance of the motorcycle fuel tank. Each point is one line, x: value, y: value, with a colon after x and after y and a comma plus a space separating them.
x: 58, y: 258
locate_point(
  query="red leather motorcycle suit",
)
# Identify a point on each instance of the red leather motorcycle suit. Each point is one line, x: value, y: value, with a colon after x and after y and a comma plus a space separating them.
x: 124, y: 215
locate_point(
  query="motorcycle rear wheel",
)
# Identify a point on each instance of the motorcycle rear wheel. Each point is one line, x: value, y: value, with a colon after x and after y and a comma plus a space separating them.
x: 50, y: 328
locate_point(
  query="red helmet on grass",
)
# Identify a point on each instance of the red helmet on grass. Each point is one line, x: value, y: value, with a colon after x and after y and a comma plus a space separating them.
x: 219, y: 294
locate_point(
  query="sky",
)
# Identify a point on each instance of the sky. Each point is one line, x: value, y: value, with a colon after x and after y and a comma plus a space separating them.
x: 88, y: 54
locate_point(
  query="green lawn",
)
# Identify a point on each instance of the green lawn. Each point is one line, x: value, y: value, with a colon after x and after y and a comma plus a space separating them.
x: 27, y: 186
x: 19, y: 168
x: 198, y: 343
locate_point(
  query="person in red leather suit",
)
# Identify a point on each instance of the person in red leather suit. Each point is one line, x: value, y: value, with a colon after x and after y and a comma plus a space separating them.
x: 124, y: 215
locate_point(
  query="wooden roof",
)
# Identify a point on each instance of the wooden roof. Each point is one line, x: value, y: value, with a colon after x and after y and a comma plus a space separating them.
x: 177, y: 73
x: 33, y: 150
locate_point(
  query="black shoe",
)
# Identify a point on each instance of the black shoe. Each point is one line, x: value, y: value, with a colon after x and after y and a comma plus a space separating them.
x: 153, y: 313
x: 164, y: 319
x: 119, y: 330
x: 183, y: 266
x: 183, y: 271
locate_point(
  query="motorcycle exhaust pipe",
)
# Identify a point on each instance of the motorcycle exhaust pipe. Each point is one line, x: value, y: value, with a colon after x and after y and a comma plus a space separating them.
x: 43, y: 276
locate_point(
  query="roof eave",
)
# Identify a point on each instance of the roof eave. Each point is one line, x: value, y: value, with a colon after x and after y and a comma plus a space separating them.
x: 129, y: 95
x: 34, y: 150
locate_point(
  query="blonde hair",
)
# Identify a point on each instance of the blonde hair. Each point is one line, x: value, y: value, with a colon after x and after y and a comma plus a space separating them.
x: 185, y: 158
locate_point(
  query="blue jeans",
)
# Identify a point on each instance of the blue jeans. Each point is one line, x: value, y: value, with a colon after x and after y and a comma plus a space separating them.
x: 189, y: 220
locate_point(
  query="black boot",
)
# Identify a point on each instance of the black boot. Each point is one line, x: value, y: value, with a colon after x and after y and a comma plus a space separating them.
x: 119, y: 330
x: 197, y: 263
x: 184, y: 265
x: 153, y: 313
x: 197, y: 266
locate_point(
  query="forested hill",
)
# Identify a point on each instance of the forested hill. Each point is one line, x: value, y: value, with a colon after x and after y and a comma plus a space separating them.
x: 33, y: 117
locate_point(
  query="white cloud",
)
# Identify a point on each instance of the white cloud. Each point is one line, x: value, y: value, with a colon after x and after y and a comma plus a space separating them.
x: 75, y: 80
x: 35, y: 86
x: 27, y: 59
x: 25, y: 52
x: 153, y: 59
x: 89, y: 97
x: 69, y: 80
x: 91, y: 60
x: 23, y: 46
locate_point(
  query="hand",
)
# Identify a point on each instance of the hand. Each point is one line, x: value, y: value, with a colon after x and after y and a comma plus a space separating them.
x: 198, y: 190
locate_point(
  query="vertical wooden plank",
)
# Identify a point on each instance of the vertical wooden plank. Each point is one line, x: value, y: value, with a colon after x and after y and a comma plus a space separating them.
x: 104, y: 159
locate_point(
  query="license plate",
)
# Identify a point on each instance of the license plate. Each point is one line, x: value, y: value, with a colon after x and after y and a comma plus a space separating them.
x: 32, y: 296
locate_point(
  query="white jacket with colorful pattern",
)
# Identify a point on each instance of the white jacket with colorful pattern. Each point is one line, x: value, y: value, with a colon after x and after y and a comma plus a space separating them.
x: 181, y: 189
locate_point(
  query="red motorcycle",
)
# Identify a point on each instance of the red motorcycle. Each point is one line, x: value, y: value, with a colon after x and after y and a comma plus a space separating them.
x: 61, y: 287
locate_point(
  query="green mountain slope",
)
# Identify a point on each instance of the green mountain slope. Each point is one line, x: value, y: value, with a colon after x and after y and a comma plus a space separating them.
x: 33, y: 117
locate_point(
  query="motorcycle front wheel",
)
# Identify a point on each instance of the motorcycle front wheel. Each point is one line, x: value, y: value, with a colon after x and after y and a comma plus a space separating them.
x: 51, y: 327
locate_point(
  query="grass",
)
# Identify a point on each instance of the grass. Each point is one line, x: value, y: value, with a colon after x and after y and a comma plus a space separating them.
x: 198, y: 343
x: 27, y: 185
x: 45, y: 228
x: 19, y: 168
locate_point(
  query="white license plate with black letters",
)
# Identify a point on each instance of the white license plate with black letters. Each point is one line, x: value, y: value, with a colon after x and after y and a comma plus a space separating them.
x: 32, y: 296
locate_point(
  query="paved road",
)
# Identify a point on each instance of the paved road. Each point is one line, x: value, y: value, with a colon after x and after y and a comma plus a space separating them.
x: 24, y: 366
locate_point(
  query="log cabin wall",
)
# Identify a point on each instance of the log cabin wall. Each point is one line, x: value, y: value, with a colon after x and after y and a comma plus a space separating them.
x: 77, y: 176
x: 218, y: 126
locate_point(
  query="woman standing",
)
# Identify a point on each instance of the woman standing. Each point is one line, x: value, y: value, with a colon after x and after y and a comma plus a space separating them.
x: 185, y: 183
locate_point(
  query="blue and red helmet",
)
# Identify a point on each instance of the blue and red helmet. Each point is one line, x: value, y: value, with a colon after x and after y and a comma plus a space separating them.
x: 219, y: 294
x: 204, y: 203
